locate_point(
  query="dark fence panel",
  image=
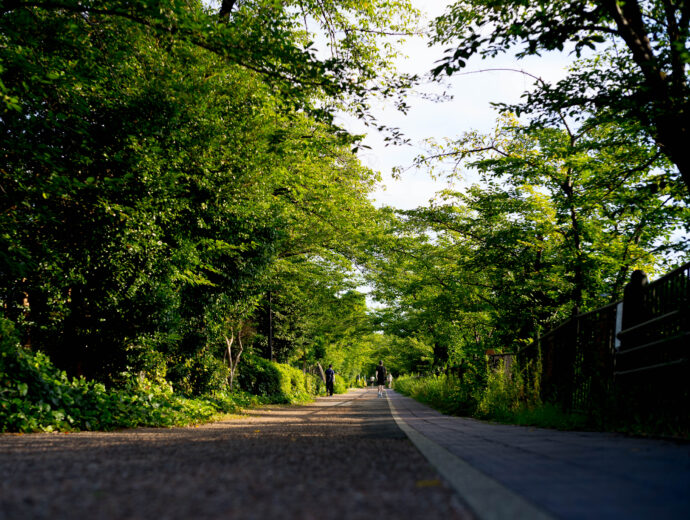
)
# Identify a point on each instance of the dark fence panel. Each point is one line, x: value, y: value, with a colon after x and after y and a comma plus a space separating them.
x: 656, y: 339
x: 577, y: 359
x: 558, y: 361
x: 581, y: 368
x: 592, y: 374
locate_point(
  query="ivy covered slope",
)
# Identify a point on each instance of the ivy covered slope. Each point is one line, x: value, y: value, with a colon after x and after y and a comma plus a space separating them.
x: 172, y: 189
x: 37, y: 396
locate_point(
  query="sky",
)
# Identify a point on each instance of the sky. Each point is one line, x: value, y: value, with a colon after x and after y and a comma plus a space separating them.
x: 470, y: 109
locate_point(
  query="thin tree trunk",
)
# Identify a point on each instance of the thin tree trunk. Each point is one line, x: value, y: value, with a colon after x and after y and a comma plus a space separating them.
x: 233, y: 362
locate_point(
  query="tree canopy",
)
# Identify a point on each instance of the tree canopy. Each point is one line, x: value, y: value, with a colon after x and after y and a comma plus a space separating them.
x: 640, y: 69
x: 173, y: 186
x: 167, y: 166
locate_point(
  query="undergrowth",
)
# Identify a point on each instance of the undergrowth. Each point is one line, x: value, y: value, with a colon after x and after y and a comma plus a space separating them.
x: 36, y: 396
x: 514, y: 398
x: 507, y: 399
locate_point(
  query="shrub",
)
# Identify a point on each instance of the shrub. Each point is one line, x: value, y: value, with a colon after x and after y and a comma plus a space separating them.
x: 340, y: 386
x: 509, y: 398
x: 36, y: 396
x: 447, y: 394
x: 200, y: 374
x: 500, y: 398
x: 279, y: 382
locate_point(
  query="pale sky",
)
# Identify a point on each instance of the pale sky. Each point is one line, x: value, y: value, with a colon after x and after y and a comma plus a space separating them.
x: 469, y: 109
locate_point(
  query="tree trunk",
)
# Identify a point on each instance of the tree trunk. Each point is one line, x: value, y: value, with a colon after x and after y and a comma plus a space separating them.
x: 665, y: 92
x: 234, y: 362
x: 578, y: 290
x: 673, y: 136
x: 226, y: 8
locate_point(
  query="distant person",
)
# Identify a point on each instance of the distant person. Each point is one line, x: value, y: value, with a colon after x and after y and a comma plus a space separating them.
x: 390, y: 380
x: 381, y: 377
x: 330, y: 380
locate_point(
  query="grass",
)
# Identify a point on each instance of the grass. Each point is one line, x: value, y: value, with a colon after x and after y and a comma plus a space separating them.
x: 516, y: 401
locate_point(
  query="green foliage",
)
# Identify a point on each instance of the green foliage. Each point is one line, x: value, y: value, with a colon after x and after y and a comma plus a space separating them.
x: 557, y: 222
x: 199, y: 375
x: 194, y: 163
x: 640, y: 71
x: 447, y: 394
x: 35, y: 396
x: 340, y: 386
x: 507, y: 393
x: 173, y: 181
x: 513, y: 398
x: 278, y: 382
x: 504, y: 398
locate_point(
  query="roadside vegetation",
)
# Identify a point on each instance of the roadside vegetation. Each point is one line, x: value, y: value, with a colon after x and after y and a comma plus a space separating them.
x: 180, y: 218
x: 501, y: 399
x: 37, y: 396
x: 185, y: 231
x: 515, y: 399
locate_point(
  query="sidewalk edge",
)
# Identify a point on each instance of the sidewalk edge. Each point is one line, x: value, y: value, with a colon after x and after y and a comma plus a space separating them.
x: 488, y: 499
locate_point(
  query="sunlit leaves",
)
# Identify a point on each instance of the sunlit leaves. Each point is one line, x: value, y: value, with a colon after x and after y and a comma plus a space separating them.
x: 639, y: 72
x: 163, y: 171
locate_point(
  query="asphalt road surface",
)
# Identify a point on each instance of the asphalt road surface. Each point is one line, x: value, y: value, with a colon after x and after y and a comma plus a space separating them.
x: 342, y: 457
x: 351, y: 456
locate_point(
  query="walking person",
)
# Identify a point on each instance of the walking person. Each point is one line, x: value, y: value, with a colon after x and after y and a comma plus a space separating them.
x: 381, y: 377
x: 330, y: 380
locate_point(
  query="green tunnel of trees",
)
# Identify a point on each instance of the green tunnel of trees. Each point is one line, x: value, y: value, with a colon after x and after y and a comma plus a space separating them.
x: 172, y: 180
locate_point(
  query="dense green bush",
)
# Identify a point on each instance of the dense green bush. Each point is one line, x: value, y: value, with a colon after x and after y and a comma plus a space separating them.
x: 36, y: 396
x: 199, y: 374
x: 341, y: 385
x: 279, y: 382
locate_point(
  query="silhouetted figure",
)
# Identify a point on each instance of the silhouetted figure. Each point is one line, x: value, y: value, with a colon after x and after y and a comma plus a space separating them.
x: 330, y: 380
x: 381, y: 377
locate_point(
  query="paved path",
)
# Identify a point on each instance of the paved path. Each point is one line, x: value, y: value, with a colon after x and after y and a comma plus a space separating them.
x: 511, y: 471
x: 341, y: 457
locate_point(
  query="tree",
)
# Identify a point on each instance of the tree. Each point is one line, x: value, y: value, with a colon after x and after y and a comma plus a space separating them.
x: 611, y: 199
x: 556, y: 225
x: 429, y: 297
x: 151, y: 185
x: 275, y: 40
x: 642, y: 74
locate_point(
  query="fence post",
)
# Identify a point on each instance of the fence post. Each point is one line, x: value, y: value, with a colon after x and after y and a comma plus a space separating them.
x: 633, y: 301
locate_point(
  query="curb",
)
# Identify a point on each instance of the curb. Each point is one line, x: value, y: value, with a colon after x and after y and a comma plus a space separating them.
x: 488, y: 499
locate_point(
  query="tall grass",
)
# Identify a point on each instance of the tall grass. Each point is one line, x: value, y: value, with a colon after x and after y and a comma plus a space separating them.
x: 448, y: 394
x: 506, y: 397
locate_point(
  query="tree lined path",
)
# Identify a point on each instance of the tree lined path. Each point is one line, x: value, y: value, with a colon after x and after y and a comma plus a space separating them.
x: 506, y: 471
x: 343, y: 457
x: 340, y: 457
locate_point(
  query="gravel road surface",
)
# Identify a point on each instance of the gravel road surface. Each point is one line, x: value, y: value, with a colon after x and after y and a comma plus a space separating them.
x: 340, y: 457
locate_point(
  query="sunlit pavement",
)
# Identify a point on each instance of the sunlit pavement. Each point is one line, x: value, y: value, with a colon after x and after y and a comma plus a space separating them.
x: 572, y: 475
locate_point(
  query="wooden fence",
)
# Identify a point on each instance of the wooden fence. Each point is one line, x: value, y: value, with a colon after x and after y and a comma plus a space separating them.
x: 658, y: 339
x: 638, y: 346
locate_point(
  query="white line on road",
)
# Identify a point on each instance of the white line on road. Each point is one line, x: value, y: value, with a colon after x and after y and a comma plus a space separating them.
x: 488, y: 499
